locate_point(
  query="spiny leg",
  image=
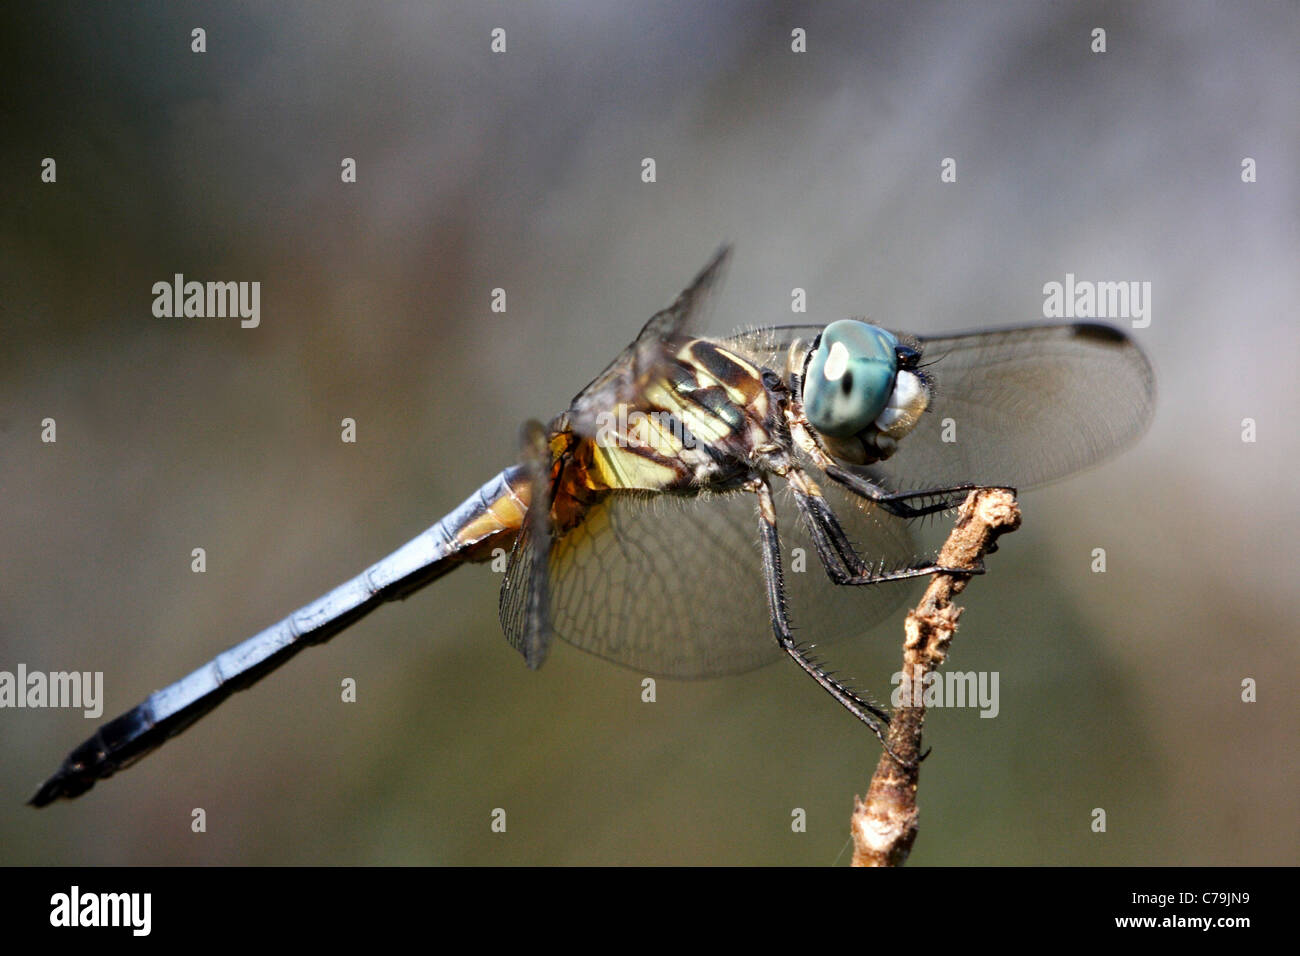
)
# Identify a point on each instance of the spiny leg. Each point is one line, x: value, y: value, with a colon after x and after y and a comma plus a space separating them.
x: 870, y: 714
x: 838, y: 556
x: 841, y: 560
x: 899, y: 503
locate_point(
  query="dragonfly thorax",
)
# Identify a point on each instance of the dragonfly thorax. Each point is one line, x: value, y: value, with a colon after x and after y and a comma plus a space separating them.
x: 700, y: 420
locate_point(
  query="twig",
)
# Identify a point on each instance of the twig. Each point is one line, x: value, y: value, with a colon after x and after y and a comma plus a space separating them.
x: 884, y: 825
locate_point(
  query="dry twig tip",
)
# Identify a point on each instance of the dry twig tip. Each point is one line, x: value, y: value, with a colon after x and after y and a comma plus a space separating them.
x: 884, y: 825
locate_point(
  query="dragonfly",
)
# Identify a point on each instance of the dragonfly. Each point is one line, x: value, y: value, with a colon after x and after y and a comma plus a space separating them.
x: 684, y: 475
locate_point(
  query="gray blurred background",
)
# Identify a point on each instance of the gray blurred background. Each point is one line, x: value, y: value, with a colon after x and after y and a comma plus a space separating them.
x: 1119, y: 691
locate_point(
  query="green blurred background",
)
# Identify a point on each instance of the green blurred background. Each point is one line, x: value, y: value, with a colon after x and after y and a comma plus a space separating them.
x: 1118, y: 690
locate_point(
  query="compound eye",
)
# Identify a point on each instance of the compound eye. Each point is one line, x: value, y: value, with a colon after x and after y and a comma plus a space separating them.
x: 850, y: 377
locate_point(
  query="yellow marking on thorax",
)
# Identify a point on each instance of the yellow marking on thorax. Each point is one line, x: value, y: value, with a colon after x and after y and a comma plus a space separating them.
x: 700, y: 422
x: 738, y: 395
x: 626, y: 468
x: 653, y: 429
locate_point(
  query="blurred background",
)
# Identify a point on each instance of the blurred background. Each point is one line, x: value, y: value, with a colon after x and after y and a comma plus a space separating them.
x: 522, y: 171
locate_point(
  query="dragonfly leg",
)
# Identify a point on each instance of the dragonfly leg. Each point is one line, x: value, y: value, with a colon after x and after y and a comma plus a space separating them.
x: 841, y: 560
x: 903, y: 504
x: 869, y: 713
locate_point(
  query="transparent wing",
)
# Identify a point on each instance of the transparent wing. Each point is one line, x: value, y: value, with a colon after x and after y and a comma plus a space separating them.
x: 1017, y: 406
x: 769, y: 346
x: 513, y: 604
x: 1025, y: 406
x: 673, y: 586
x: 625, y: 378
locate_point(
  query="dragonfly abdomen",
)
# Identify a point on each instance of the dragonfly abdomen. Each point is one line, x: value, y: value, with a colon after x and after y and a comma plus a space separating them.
x: 489, y: 519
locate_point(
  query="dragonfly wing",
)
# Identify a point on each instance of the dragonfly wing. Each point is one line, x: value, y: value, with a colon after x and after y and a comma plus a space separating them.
x: 672, y: 586
x: 514, y: 603
x: 624, y: 381
x: 1017, y: 406
x: 1024, y: 406
x: 769, y: 346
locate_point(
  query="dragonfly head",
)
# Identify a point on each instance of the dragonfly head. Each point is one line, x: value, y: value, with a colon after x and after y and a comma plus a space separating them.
x: 862, y: 391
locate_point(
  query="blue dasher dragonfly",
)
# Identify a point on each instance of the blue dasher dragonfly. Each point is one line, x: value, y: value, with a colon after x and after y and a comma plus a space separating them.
x: 655, y: 489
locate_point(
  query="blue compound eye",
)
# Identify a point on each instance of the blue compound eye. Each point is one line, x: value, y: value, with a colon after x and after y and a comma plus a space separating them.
x: 850, y: 377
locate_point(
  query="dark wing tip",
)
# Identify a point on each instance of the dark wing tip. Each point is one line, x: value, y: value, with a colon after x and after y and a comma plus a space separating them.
x: 1101, y: 333
x: 1111, y: 337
